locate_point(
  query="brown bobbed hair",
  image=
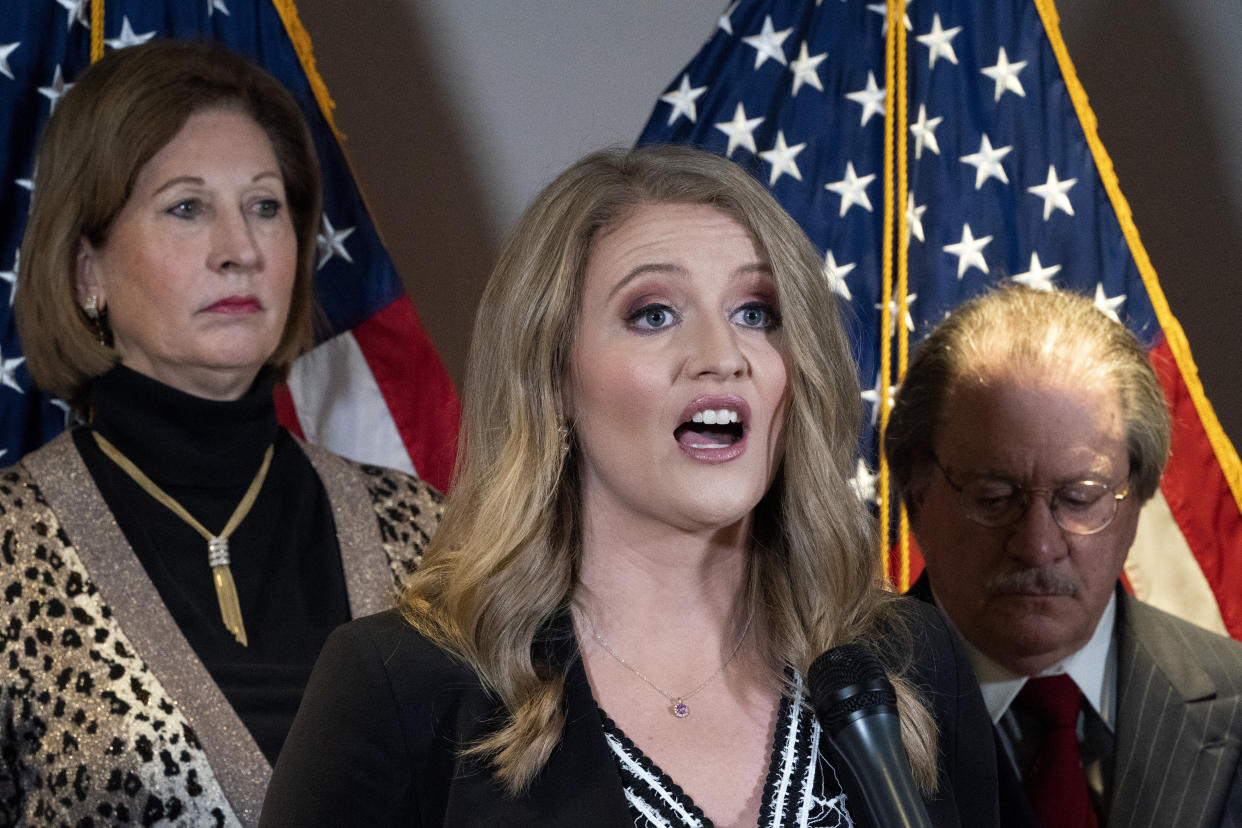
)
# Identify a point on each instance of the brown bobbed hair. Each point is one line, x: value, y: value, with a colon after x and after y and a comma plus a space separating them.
x: 119, y: 113
x: 504, y: 559
x: 1016, y: 334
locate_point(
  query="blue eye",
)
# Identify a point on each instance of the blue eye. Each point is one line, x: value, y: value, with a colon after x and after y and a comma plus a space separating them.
x: 757, y: 315
x: 652, y: 317
x: 187, y: 209
x: 268, y: 208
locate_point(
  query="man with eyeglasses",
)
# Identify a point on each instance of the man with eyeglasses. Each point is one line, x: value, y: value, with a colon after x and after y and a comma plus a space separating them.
x: 1027, y: 433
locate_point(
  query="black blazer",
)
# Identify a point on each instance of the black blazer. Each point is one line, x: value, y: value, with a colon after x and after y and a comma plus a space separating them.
x: 1178, y: 750
x: 376, y: 741
x: 1015, y: 808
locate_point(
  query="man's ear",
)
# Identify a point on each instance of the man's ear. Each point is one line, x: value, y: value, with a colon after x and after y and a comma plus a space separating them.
x: 915, y: 491
x: 86, y: 274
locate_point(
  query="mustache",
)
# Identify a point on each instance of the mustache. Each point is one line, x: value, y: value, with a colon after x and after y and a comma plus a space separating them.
x: 1040, y: 580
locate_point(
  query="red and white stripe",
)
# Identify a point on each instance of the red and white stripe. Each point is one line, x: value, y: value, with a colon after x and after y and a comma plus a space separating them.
x: 377, y: 394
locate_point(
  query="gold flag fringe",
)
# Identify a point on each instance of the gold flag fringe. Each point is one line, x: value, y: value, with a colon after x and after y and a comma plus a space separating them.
x: 97, y: 29
x: 1226, y: 454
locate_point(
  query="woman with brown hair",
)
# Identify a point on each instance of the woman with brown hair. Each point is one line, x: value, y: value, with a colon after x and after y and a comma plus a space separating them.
x: 650, y: 538
x: 172, y: 566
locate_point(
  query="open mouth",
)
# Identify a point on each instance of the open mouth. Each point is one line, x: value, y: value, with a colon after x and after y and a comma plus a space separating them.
x: 711, y: 429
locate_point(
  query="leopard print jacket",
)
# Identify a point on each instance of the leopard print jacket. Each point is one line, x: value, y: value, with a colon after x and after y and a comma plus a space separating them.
x: 106, y: 715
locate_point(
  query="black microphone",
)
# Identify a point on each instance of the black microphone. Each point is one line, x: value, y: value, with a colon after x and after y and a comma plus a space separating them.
x: 857, y: 706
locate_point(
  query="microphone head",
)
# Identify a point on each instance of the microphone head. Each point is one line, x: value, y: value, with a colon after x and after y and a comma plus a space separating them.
x: 846, y: 682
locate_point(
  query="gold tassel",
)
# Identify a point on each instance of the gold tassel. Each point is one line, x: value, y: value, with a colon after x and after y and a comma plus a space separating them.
x: 230, y: 608
x: 217, y: 545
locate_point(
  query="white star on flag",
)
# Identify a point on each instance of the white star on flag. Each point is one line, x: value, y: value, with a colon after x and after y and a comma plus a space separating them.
x: 25, y: 183
x: 58, y: 88
x: 1038, y: 277
x: 63, y: 406
x: 939, y: 42
x: 806, y: 69
x: 740, y: 131
x: 682, y: 100
x: 331, y: 241
x: 10, y: 276
x: 1006, y: 75
x: 914, y: 219
x: 8, y: 369
x: 969, y: 252
x: 836, y: 274
x: 1108, y: 305
x: 214, y: 6
x: 911, y: 298
x: 872, y: 397
x: 863, y: 483
x: 1054, y: 193
x: 871, y: 98
x: 882, y: 10
x: 852, y: 189
x: 724, y: 20
x: 781, y: 157
x: 6, y: 50
x: 987, y: 162
x: 768, y: 42
x: 924, y: 130
x: 127, y: 37
x: 77, y: 11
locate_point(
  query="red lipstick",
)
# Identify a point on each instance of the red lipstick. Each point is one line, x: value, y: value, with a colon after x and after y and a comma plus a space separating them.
x: 235, y: 305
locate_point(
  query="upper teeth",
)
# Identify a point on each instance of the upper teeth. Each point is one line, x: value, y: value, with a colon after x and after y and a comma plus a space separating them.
x: 718, y: 416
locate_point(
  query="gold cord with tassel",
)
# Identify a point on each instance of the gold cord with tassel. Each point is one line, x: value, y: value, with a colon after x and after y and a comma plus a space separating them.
x: 217, y: 545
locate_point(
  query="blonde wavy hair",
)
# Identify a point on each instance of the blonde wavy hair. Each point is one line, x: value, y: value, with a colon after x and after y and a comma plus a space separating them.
x: 504, y: 559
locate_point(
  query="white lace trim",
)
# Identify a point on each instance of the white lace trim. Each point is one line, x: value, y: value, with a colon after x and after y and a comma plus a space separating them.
x: 806, y: 794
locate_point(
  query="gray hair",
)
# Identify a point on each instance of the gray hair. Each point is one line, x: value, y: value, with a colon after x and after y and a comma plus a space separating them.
x: 1023, y: 331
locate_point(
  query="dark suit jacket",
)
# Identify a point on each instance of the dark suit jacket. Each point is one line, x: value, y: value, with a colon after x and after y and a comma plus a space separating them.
x: 1178, y: 726
x: 376, y: 740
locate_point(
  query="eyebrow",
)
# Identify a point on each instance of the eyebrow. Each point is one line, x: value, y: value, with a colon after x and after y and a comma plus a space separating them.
x: 1060, y: 483
x: 197, y: 181
x: 678, y: 270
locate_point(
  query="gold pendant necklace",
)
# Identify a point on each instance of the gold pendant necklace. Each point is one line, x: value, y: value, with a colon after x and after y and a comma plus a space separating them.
x: 677, y: 704
x: 217, y: 545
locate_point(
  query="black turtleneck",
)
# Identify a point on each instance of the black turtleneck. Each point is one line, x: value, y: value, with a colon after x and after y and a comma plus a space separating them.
x: 285, y: 558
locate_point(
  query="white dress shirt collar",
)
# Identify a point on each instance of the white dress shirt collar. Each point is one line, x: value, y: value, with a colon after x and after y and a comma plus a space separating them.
x: 1093, y: 668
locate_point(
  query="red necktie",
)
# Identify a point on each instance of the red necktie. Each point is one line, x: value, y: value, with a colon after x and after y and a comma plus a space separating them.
x: 1056, y: 783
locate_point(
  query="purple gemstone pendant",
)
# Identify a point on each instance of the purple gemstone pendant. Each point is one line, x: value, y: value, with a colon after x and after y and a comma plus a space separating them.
x: 680, y: 710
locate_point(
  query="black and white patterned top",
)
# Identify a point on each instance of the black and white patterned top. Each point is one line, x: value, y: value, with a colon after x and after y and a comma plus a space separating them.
x: 802, y: 788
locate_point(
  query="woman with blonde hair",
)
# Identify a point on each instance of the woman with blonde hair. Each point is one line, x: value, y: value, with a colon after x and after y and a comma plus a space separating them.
x: 172, y: 565
x: 650, y: 538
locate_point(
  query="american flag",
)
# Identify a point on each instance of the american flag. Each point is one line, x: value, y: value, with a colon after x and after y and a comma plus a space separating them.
x: 1007, y: 182
x: 373, y: 388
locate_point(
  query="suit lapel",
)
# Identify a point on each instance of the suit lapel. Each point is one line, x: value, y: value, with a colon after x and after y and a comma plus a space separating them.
x: 1174, y: 749
x: 1015, y: 810
x: 584, y: 764
x: 580, y: 784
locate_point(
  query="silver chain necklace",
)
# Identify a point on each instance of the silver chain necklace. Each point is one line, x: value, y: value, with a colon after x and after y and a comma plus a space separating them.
x: 678, y: 708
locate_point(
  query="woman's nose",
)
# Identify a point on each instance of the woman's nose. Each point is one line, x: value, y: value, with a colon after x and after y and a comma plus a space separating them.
x: 233, y: 244
x: 715, y: 350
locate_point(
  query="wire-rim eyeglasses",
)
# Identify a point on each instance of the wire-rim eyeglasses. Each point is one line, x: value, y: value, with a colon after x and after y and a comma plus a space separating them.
x: 1082, y: 508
